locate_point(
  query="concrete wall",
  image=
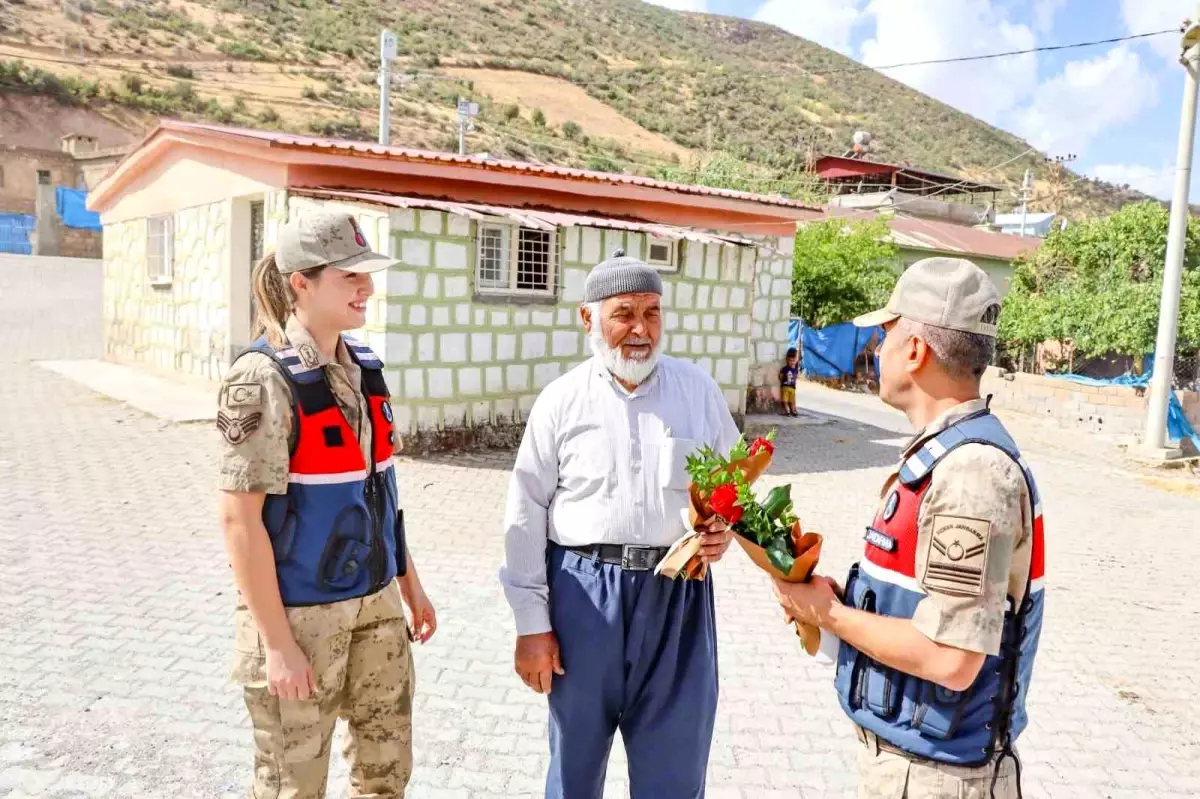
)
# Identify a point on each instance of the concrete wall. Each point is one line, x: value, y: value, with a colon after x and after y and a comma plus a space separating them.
x: 181, y: 325
x: 1117, y: 411
x: 18, y: 194
x: 461, y: 360
x: 771, y: 310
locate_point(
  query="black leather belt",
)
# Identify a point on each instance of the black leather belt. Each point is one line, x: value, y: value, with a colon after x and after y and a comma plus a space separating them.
x: 627, y: 556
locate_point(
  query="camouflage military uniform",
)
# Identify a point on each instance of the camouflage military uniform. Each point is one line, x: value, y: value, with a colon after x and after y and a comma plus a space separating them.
x: 979, y: 492
x: 359, y: 649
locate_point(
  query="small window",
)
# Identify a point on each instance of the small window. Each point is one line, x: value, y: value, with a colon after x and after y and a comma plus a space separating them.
x: 159, y: 249
x: 516, y: 260
x: 43, y: 177
x: 662, y: 253
x: 1, y: 177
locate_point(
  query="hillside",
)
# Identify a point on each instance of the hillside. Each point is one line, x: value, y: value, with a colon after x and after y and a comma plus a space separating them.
x: 609, y: 84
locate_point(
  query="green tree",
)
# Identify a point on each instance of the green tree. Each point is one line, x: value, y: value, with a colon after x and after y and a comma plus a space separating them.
x: 539, y: 118
x: 571, y: 130
x: 1098, y: 283
x: 841, y: 270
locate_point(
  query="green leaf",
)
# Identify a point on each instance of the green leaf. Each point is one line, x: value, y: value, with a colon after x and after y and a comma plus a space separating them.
x: 777, y: 501
x: 779, y: 552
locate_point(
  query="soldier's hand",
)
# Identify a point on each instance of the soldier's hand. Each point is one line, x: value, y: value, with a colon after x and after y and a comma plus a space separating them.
x: 537, y: 660
x: 424, y: 616
x: 289, y: 675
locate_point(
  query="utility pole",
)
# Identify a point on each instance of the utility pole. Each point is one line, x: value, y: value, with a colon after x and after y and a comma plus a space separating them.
x: 467, y: 111
x: 387, y: 54
x: 1168, y: 313
x: 1026, y: 185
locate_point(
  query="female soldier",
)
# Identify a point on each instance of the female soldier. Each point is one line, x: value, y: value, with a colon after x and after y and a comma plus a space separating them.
x: 312, y: 526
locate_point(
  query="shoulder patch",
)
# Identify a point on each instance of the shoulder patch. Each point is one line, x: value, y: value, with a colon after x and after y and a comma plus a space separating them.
x: 308, y: 355
x: 957, y: 557
x: 243, y: 395
x: 237, y: 429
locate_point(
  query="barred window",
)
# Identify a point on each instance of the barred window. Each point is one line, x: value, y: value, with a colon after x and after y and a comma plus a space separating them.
x: 159, y: 249
x: 516, y: 260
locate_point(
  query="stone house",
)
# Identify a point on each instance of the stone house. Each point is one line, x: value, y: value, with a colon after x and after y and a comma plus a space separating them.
x: 481, y: 313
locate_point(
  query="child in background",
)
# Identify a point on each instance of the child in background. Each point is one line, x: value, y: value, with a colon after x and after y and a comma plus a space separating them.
x: 787, y: 383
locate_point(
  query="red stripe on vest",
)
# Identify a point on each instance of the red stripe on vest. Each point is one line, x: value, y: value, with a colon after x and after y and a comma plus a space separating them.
x: 314, y: 456
x: 1037, y: 563
x: 384, y: 448
x: 902, y: 528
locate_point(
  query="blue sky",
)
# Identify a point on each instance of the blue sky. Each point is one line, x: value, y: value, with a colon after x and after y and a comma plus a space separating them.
x: 1116, y: 107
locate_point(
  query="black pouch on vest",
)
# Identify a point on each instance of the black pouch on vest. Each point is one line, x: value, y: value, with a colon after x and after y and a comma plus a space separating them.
x: 401, y: 546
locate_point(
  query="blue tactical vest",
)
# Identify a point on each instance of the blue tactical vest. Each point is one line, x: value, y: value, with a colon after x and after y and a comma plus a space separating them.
x: 966, y: 728
x: 337, y: 533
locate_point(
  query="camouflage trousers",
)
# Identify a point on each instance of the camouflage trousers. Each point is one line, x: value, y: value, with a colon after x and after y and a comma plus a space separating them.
x: 889, y: 775
x: 362, y: 664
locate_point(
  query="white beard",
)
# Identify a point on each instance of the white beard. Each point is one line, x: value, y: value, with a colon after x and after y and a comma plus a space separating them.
x: 629, y: 370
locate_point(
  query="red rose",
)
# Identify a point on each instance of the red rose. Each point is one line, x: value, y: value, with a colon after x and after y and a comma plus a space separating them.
x: 724, y: 503
x: 762, y: 443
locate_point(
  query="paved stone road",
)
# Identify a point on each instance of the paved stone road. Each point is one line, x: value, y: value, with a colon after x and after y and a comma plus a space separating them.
x: 115, y: 611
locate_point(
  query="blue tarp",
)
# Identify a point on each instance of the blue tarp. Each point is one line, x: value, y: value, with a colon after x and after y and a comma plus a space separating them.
x: 1178, y: 426
x: 14, y: 233
x: 831, y: 351
x: 72, y: 209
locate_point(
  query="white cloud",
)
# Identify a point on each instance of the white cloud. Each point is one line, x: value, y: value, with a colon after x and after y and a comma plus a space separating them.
x: 1144, y: 16
x: 1044, y: 12
x: 911, y: 30
x: 826, y: 22
x: 1069, y: 110
x: 1155, y: 182
x: 681, y: 5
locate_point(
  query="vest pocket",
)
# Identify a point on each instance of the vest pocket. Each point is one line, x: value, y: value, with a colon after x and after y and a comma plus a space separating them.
x: 939, y: 711
x: 347, y: 553
x: 883, y: 690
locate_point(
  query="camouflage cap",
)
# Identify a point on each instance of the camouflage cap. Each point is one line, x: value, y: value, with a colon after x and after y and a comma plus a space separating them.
x: 944, y: 292
x: 326, y: 238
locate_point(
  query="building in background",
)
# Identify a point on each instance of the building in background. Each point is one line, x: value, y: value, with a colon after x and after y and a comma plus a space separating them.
x: 1035, y: 224
x: 32, y: 199
x: 856, y: 183
x: 482, y: 312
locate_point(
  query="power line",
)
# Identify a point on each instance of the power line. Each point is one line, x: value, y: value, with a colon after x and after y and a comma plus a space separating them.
x: 841, y: 70
x: 1045, y: 49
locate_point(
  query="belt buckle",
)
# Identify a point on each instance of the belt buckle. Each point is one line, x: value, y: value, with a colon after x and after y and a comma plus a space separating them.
x: 638, y: 559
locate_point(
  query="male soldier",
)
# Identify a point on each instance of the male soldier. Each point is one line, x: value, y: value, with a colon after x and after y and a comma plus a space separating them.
x: 940, y: 620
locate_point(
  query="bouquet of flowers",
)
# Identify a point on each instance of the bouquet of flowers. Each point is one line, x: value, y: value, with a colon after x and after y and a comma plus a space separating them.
x: 767, y: 530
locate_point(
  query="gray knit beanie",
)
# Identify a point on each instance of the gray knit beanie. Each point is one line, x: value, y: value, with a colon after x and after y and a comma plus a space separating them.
x: 620, y: 274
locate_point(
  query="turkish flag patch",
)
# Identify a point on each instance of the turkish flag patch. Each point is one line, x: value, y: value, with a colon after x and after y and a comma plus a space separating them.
x: 358, y: 236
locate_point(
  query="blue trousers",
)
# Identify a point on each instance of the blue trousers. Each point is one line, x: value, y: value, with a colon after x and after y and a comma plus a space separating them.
x: 640, y: 655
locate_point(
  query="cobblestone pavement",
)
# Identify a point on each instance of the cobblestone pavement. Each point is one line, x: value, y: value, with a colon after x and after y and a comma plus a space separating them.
x: 116, y: 609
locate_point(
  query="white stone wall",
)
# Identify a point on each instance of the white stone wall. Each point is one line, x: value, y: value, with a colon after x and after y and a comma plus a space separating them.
x: 771, y: 312
x: 181, y: 326
x: 460, y: 359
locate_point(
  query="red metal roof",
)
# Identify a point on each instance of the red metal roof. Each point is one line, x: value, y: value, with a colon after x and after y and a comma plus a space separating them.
x: 836, y: 167
x: 368, y: 149
x: 947, y: 237
x: 529, y: 217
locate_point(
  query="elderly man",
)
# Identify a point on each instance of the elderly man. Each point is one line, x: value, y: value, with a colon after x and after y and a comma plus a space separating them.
x: 594, y: 503
x: 940, y: 620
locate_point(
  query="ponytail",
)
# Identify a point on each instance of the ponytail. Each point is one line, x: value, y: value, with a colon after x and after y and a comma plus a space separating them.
x: 273, y: 299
